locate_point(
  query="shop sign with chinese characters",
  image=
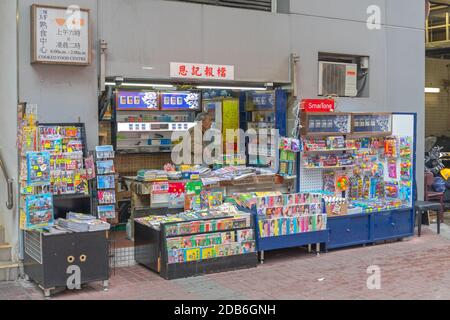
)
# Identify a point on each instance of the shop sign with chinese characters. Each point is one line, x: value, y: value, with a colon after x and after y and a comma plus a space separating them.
x: 201, y: 71
x: 60, y: 35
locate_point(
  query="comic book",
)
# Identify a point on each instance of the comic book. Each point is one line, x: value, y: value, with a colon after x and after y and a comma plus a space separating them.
x: 244, y: 235
x: 208, y: 252
x: 192, y: 254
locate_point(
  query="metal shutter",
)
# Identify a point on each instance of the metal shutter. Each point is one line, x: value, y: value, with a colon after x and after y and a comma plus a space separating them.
x: 263, y: 5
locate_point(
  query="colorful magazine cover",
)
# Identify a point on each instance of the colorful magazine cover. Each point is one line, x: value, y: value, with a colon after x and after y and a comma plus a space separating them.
x: 106, y: 212
x: 104, y: 152
x: 106, y: 197
x: 245, y: 235
x: 51, y: 144
x: 38, y: 166
x: 208, y: 252
x: 248, y: 247
x: 106, y: 182
x: 228, y: 237
x: 192, y: 254
x: 39, y: 211
x: 105, y: 167
x: 174, y: 243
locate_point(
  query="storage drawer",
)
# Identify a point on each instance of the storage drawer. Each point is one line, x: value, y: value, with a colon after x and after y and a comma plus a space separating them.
x: 392, y: 224
x: 348, y: 230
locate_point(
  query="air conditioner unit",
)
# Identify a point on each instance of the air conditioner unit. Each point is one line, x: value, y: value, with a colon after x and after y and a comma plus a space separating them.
x: 337, y: 78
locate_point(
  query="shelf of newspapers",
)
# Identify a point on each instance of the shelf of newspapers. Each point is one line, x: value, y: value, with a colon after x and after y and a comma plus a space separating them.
x: 196, y: 242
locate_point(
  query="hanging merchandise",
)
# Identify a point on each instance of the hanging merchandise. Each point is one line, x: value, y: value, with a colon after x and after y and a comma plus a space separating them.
x: 38, y: 164
x: 342, y: 183
x: 405, y: 147
x: 288, y: 149
x: 329, y: 182
x: 39, y: 211
x: 366, y: 188
x: 390, y: 148
x: 391, y: 190
x: 392, y: 168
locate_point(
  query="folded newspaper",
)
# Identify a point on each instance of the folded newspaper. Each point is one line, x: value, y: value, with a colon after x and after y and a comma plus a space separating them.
x: 79, y: 222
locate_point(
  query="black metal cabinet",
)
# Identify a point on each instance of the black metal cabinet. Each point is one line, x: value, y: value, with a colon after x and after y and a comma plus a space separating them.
x: 48, y: 258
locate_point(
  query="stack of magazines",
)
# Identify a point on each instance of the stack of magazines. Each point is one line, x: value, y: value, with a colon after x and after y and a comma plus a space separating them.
x: 78, y: 222
x: 151, y: 175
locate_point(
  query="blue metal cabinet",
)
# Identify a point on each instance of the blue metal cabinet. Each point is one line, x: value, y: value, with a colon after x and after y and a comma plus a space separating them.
x: 392, y: 224
x: 348, y: 230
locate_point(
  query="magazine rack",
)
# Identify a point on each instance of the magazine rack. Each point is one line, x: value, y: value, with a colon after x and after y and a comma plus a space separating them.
x: 319, y: 238
x: 151, y: 251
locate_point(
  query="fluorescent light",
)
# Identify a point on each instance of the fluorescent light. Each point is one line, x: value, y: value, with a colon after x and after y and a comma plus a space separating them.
x: 233, y: 88
x: 432, y: 90
x: 144, y: 85
x: 147, y: 68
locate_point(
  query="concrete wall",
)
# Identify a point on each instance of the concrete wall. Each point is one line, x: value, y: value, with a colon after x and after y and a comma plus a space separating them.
x: 8, y: 111
x: 62, y: 93
x: 437, y: 105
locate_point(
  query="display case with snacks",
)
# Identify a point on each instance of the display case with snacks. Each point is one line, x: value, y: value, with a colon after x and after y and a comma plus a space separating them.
x: 372, y: 123
x: 196, y: 242
x: 145, y: 120
x: 325, y: 124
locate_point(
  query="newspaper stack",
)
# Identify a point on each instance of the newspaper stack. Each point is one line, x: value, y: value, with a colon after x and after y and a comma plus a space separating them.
x: 79, y: 222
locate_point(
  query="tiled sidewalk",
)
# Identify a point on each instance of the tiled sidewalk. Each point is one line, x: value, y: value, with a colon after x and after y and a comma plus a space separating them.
x: 416, y: 268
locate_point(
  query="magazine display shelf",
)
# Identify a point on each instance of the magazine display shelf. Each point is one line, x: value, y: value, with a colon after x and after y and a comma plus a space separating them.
x: 318, y: 238
x: 150, y: 247
x: 48, y: 258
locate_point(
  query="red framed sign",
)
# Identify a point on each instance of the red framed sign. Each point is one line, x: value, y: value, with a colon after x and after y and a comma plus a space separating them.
x: 318, y: 105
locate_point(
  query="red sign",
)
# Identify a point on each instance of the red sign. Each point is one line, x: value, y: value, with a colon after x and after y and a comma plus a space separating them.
x: 201, y: 71
x: 318, y: 105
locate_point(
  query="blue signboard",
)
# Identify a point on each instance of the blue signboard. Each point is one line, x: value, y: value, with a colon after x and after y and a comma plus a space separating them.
x: 263, y: 101
x: 137, y: 100
x: 180, y: 101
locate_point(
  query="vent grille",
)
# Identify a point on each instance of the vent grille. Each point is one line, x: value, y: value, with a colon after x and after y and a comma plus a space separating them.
x: 33, y: 245
x: 262, y: 5
x: 333, y: 79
